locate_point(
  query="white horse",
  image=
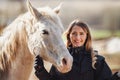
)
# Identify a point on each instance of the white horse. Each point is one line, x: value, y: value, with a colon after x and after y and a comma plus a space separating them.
x: 37, y: 32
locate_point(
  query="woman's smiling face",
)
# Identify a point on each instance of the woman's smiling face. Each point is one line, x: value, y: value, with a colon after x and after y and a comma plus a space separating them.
x: 77, y: 36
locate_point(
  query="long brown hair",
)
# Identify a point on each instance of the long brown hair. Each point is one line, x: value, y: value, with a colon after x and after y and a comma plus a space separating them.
x: 84, y: 26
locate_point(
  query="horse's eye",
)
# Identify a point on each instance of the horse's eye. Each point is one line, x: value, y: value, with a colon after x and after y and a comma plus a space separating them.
x: 45, y: 32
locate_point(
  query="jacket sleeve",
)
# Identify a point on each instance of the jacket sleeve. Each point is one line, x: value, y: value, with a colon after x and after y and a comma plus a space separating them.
x: 44, y: 75
x: 102, y: 71
x: 54, y: 74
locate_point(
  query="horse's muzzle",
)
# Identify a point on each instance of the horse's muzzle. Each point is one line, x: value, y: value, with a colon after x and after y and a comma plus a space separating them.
x: 65, y: 65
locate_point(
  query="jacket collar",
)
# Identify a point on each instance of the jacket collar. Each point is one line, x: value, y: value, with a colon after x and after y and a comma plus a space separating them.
x: 78, y: 50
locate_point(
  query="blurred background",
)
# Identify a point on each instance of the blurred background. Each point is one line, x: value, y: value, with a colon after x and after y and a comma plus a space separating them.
x: 103, y: 17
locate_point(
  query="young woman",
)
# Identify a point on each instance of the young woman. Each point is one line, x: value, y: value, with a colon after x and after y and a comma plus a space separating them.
x: 86, y: 65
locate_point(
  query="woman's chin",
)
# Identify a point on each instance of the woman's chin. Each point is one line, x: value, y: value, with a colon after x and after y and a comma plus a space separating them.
x: 77, y: 45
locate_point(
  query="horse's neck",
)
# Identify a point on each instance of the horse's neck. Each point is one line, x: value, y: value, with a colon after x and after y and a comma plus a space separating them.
x: 22, y: 67
x: 20, y: 59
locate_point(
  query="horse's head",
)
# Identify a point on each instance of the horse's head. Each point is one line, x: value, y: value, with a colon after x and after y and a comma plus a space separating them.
x: 44, y: 37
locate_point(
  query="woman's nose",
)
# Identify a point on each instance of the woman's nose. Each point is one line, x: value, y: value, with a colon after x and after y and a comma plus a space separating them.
x: 78, y: 36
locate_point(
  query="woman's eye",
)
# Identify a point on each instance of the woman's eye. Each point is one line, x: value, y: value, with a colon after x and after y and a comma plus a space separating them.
x: 74, y: 33
x: 45, y: 32
x: 81, y: 33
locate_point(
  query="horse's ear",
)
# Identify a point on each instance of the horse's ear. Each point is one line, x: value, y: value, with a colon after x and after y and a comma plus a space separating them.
x: 57, y: 9
x: 32, y: 10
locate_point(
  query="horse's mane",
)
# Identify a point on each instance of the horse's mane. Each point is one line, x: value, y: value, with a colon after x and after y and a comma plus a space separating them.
x: 10, y: 41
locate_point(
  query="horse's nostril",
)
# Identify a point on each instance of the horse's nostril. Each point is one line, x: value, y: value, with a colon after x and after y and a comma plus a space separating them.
x: 64, y: 61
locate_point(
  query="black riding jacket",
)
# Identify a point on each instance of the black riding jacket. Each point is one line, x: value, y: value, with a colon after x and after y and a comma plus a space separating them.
x: 81, y: 70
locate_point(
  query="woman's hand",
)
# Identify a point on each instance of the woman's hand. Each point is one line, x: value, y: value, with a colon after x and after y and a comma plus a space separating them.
x: 116, y: 76
x: 38, y: 63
